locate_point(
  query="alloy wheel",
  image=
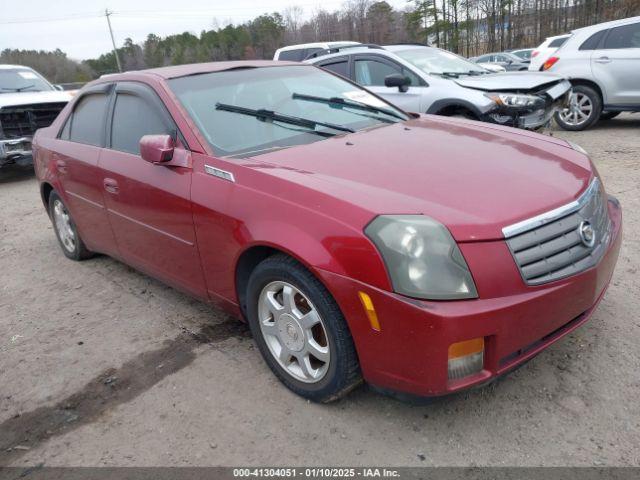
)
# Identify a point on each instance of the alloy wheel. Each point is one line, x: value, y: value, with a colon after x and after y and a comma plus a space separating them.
x: 63, y: 226
x: 578, y: 111
x: 294, y: 332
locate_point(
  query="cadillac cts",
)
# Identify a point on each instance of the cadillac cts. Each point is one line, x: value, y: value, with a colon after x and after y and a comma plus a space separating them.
x: 421, y: 254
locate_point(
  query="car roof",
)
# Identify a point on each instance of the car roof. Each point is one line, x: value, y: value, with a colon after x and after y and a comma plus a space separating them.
x: 613, y: 23
x: 12, y: 67
x: 302, y: 46
x: 199, y: 68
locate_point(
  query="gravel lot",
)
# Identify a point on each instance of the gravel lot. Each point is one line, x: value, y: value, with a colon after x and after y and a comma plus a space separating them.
x: 101, y: 365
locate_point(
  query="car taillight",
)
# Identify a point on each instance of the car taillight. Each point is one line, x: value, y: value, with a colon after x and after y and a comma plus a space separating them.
x: 550, y: 63
x: 534, y: 53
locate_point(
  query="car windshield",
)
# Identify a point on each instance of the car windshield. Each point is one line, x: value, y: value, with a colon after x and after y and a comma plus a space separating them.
x: 247, y: 111
x: 22, y: 80
x: 438, y: 62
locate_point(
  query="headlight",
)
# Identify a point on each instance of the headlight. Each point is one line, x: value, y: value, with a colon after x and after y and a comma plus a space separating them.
x: 422, y: 257
x: 577, y: 147
x: 516, y: 100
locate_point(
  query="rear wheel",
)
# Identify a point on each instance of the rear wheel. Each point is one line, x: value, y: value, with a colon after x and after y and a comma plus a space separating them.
x: 72, y: 245
x: 300, y: 330
x: 583, y: 110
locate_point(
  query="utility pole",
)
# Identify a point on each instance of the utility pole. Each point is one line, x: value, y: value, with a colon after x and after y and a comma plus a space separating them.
x: 113, y: 42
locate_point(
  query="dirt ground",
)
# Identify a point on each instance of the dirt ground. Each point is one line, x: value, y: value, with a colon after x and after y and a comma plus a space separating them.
x: 103, y: 366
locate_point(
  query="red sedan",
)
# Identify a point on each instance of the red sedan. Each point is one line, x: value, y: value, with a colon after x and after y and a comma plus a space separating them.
x: 422, y: 254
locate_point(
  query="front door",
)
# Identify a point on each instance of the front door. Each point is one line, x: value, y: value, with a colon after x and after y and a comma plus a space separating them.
x: 370, y: 72
x: 149, y: 205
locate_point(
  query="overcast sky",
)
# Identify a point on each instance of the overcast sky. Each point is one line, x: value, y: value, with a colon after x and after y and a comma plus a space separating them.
x: 76, y: 28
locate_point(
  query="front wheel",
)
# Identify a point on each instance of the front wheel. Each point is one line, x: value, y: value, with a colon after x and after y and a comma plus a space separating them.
x: 300, y: 331
x: 583, y: 110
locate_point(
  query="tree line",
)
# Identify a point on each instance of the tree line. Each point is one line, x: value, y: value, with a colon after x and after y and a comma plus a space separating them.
x: 466, y: 27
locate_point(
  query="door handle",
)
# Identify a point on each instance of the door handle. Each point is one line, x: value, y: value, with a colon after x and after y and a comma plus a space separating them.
x: 110, y: 185
x: 603, y: 60
x: 61, y: 165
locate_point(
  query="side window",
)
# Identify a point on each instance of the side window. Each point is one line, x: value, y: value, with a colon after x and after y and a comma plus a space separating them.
x: 593, y: 41
x: 627, y: 36
x: 558, y: 42
x: 484, y: 59
x: 64, y: 133
x: 310, y: 51
x: 87, y: 122
x: 373, y: 72
x: 134, y: 118
x: 291, y: 55
x: 340, y: 67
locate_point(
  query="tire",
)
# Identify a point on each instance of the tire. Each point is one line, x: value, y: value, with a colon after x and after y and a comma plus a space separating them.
x: 609, y: 115
x: 328, y: 376
x: 66, y: 231
x: 573, y: 117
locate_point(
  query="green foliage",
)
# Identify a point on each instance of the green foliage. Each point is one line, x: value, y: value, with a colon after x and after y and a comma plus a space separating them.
x: 54, y: 66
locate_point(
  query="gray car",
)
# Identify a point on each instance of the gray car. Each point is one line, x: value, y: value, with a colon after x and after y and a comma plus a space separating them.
x: 425, y: 79
x: 509, y: 61
x: 603, y: 64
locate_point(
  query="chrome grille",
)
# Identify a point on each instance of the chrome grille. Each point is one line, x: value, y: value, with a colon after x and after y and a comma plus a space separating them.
x: 550, y: 246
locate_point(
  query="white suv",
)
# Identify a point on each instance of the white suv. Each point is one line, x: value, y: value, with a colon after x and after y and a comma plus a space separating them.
x: 298, y: 53
x: 603, y: 64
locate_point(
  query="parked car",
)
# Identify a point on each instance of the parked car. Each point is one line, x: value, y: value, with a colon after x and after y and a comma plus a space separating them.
x: 429, y: 80
x: 603, y: 64
x: 27, y: 102
x: 545, y: 50
x: 492, y: 67
x: 297, y: 53
x: 508, y: 61
x: 422, y: 254
x: 523, y: 53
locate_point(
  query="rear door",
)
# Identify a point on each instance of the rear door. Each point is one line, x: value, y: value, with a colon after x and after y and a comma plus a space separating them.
x: 149, y: 205
x: 616, y: 65
x: 370, y: 71
x: 75, y: 157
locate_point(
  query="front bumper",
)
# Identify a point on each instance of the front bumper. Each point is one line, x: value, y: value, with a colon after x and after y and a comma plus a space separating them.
x: 410, y: 352
x: 16, y: 150
x: 555, y: 98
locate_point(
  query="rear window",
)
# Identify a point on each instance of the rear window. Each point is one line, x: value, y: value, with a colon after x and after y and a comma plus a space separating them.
x: 87, y: 122
x: 593, y: 41
x: 340, y: 67
x: 627, y: 36
x: 558, y: 42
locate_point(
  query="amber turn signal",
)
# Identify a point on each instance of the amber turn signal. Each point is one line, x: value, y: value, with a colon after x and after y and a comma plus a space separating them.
x: 369, y: 309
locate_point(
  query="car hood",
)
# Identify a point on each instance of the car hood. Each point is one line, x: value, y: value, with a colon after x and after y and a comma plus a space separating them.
x: 474, y: 178
x: 509, y: 81
x: 29, y: 98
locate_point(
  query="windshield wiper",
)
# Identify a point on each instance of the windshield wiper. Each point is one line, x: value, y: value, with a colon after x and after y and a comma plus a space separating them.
x: 269, y: 115
x: 19, y: 89
x: 342, y: 103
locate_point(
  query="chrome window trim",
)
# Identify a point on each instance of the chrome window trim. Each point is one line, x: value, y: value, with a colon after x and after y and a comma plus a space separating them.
x: 552, y: 215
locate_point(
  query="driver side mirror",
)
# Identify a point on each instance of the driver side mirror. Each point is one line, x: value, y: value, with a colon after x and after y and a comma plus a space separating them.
x: 60, y: 88
x: 157, y: 148
x: 397, y: 80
